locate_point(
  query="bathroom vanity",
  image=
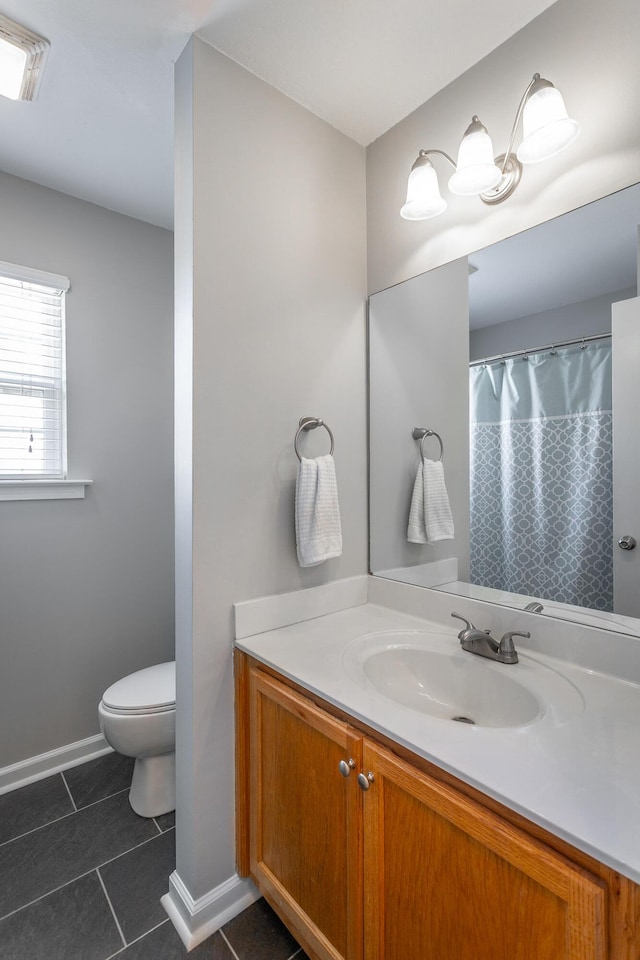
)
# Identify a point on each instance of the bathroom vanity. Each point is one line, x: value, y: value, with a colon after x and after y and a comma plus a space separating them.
x: 378, y: 831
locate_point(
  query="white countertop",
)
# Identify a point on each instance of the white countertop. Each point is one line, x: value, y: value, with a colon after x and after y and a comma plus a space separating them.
x: 578, y: 778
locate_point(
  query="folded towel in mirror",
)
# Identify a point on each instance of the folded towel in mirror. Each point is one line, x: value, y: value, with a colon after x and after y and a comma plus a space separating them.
x: 317, y: 514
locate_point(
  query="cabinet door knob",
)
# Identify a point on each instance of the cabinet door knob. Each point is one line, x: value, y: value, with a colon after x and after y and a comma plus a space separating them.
x: 365, y: 780
x: 346, y: 766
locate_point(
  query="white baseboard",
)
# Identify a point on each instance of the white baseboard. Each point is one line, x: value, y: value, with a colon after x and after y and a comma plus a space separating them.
x: 46, y: 764
x: 195, y: 920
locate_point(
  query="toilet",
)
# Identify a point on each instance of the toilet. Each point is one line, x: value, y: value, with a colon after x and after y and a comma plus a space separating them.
x: 138, y: 719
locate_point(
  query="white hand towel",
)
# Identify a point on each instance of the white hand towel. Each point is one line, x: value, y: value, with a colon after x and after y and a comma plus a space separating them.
x: 437, y: 509
x: 430, y: 518
x: 416, y: 530
x: 318, y: 531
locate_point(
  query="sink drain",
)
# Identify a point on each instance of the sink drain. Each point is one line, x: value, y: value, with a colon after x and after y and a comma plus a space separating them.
x: 463, y: 720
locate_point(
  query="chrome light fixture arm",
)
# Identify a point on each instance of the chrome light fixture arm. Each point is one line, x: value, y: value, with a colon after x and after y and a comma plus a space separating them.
x: 514, y: 129
x: 510, y: 166
x: 430, y: 153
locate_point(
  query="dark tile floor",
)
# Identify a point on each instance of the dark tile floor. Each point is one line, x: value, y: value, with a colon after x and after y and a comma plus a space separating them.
x: 81, y: 876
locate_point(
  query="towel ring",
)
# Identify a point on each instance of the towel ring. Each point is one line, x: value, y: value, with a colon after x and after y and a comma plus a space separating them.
x: 421, y: 434
x: 310, y: 423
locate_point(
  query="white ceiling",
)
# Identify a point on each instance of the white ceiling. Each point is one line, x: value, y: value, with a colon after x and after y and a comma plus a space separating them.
x: 102, y: 127
x: 581, y: 255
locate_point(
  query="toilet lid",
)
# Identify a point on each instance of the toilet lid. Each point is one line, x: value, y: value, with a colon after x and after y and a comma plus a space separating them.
x: 153, y: 688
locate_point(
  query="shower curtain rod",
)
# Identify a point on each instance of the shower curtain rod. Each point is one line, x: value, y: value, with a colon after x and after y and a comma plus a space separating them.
x: 548, y: 346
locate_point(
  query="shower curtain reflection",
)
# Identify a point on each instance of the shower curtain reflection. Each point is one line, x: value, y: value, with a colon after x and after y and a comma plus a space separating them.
x: 541, y: 475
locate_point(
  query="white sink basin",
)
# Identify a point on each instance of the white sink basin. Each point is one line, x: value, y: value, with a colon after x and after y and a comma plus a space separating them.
x: 430, y: 673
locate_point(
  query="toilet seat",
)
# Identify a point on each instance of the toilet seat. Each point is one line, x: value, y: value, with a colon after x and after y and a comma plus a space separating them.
x: 152, y: 690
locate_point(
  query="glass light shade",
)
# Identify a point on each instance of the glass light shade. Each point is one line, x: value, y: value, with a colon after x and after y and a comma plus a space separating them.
x: 423, y: 193
x: 13, y: 63
x: 546, y: 126
x: 476, y: 170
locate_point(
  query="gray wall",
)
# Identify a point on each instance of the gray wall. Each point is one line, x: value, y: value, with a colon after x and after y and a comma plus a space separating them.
x: 86, y: 585
x: 419, y: 377
x: 271, y: 286
x: 582, y: 319
x: 590, y: 52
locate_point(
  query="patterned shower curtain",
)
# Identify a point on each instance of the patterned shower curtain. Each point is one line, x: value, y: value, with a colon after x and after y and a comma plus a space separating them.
x: 541, y: 475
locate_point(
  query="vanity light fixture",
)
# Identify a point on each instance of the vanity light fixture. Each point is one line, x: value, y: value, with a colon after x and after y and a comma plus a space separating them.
x: 546, y: 129
x: 22, y: 55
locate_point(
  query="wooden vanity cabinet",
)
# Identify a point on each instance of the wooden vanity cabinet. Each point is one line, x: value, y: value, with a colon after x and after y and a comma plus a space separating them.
x: 446, y: 878
x: 305, y: 818
x: 408, y: 864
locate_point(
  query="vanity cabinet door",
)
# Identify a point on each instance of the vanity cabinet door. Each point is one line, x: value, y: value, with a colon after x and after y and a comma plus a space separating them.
x: 305, y: 818
x: 446, y: 879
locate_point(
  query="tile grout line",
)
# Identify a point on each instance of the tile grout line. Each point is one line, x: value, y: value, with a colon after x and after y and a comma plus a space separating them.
x: 44, y: 896
x: 295, y: 954
x: 41, y: 827
x: 109, y: 796
x: 226, y: 940
x: 64, y: 780
x: 157, y: 824
x: 80, y: 875
x: 138, y: 939
x: 117, y: 922
x: 63, y: 817
x: 137, y: 846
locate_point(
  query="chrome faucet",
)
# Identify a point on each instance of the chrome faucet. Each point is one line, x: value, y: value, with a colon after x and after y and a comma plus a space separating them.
x: 483, y: 644
x: 534, y: 607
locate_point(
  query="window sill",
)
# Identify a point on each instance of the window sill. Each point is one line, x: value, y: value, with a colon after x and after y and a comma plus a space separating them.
x: 43, y: 489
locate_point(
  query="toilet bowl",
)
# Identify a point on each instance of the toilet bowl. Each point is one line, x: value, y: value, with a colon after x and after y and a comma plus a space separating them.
x: 138, y: 719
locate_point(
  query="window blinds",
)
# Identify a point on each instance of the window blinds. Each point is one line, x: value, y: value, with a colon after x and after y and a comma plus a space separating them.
x: 32, y: 373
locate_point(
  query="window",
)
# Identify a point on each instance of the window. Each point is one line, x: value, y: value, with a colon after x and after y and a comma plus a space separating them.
x: 32, y: 374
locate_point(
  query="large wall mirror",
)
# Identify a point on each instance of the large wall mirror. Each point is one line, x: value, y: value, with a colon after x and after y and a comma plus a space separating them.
x: 519, y: 368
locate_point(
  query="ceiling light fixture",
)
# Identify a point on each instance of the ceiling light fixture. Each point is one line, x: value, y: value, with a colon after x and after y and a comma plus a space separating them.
x: 546, y: 128
x: 22, y: 55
